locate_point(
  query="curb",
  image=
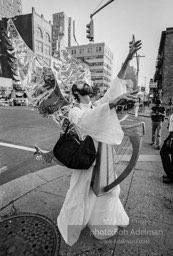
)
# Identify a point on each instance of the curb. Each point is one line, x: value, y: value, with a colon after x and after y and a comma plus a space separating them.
x: 15, y: 189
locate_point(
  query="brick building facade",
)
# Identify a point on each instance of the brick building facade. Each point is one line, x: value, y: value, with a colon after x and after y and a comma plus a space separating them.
x: 164, y: 65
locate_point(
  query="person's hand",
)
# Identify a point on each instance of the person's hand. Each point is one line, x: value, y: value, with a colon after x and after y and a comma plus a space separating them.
x: 161, y: 114
x: 47, y: 157
x: 123, y: 99
x: 134, y: 48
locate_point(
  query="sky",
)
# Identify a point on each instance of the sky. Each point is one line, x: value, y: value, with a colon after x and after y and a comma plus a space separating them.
x: 114, y: 25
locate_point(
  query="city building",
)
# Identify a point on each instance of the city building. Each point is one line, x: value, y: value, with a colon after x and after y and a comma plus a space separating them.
x: 100, y: 60
x: 36, y: 33
x: 164, y: 75
x: 10, y: 8
x: 62, y: 30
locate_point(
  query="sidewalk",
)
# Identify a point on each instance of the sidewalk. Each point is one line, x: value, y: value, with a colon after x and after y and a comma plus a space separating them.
x: 145, y: 112
x: 147, y: 201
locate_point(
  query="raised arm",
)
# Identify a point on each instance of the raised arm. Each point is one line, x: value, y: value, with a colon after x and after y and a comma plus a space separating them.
x: 135, y: 47
x: 123, y: 99
x: 116, y: 89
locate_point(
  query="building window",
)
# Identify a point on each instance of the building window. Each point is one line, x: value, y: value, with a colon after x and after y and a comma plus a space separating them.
x: 39, y: 46
x: 73, y: 51
x: 47, y: 37
x: 81, y: 51
x: 47, y: 50
x: 39, y: 33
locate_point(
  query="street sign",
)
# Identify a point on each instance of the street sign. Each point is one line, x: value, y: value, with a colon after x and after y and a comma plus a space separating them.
x: 153, y: 85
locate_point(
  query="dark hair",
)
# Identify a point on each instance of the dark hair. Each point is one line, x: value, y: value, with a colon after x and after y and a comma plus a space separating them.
x: 158, y: 102
x: 74, y: 89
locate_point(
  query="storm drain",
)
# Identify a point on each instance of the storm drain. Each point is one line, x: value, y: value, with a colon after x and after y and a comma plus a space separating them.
x: 28, y: 234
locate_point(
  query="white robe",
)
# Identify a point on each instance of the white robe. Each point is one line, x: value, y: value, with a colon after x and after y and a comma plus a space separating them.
x: 81, y: 206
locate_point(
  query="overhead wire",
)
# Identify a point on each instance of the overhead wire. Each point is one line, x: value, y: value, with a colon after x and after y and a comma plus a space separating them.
x: 97, y: 6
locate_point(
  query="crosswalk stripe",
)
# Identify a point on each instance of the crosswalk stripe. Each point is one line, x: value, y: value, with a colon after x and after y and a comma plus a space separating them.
x: 18, y: 147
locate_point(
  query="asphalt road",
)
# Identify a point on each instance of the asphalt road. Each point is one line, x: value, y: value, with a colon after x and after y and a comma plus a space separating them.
x: 26, y: 127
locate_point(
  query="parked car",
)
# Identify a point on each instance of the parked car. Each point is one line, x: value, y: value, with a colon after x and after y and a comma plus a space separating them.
x: 19, y: 102
x: 4, y: 103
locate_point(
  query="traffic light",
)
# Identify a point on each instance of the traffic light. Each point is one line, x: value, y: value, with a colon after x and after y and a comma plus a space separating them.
x: 90, y: 31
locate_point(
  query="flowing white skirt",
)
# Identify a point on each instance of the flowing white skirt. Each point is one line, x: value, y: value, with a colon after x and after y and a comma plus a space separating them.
x: 81, y: 207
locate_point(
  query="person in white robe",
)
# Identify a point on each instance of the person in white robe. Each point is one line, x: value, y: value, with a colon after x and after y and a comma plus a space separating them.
x: 82, y: 207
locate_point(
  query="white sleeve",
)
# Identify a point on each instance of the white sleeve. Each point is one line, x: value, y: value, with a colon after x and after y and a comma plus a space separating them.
x: 171, y: 123
x: 101, y: 123
x: 117, y: 88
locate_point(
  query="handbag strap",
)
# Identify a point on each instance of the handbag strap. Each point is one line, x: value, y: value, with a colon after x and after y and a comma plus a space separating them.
x: 68, y: 125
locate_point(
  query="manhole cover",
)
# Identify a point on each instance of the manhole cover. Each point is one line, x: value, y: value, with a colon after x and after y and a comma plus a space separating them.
x: 28, y: 234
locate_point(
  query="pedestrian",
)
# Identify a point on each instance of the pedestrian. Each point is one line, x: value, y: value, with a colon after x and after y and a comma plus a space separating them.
x: 99, y: 120
x: 81, y: 206
x: 166, y: 152
x: 157, y: 117
x: 170, y: 102
x: 136, y: 108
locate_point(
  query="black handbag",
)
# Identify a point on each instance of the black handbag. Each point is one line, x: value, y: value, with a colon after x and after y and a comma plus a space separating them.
x: 74, y: 153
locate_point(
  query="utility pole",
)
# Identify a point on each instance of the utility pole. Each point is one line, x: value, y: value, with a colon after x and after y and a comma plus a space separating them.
x: 137, y: 58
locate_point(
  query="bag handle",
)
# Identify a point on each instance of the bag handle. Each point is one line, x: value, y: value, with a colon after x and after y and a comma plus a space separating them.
x: 68, y: 125
x: 66, y: 130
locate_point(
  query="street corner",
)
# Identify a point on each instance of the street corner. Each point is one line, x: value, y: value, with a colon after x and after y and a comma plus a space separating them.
x: 57, y: 187
x: 40, y: 202
x: 53, y: 172
x: 11, y: 191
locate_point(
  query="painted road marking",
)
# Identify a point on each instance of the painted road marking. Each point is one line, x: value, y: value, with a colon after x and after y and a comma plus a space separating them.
x: 3, y: 169
x: 13, y: 108
x: 19, y: 147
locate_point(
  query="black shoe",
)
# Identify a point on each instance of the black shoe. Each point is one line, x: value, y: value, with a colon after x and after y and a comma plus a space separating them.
x: 152, y: 143
x: 168, y: 181
x: 157, y: 147
x: 164, y: 176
